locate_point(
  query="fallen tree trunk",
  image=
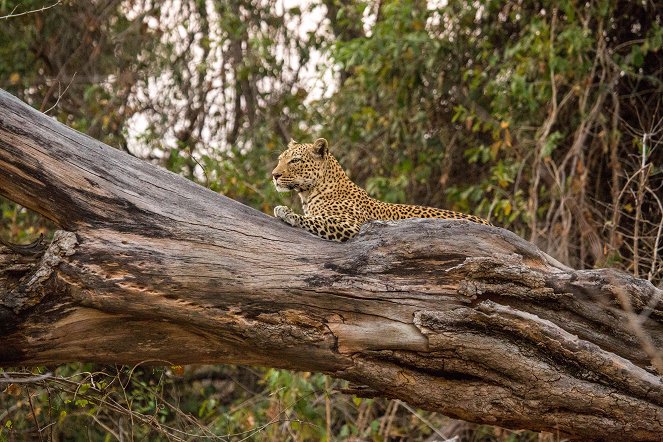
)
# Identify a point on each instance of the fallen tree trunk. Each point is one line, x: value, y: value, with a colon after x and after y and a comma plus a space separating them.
x: 468, y: 320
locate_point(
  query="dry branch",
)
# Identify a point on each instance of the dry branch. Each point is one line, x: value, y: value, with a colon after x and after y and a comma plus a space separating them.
x: 468, y: 320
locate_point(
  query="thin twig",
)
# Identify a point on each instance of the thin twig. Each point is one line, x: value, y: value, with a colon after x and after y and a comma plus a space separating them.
x: 646, y: 343
x: 27, y: 380
x: 659, y: 231
x: 327, y: 410
x: 422, y: 419
x: 34, y: 415
x: 33, y: 11
x: 61, y: 93
x: 639, y: 199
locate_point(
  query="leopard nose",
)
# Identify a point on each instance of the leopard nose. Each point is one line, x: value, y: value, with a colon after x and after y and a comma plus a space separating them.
x: 276, y: 175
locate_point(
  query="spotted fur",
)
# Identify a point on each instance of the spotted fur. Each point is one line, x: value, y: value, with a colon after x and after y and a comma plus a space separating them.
x: 335, y: 207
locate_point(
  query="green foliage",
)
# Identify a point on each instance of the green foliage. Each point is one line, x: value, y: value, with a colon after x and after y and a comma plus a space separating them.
x: 20, y: 225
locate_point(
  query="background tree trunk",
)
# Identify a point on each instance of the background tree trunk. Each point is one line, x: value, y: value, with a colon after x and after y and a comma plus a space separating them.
x: 469, y: 320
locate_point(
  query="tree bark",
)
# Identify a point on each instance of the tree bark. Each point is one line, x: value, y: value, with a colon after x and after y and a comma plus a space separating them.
x: 468, y: 320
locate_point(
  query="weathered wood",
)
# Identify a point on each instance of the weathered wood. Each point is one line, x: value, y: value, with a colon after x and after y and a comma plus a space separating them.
x: 469, y: 320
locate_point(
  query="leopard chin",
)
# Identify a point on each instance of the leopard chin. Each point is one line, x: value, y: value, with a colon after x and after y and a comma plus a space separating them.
x: 286, y: 188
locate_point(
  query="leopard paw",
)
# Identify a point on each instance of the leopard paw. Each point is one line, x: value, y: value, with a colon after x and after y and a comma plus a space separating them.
x: 284, y: 213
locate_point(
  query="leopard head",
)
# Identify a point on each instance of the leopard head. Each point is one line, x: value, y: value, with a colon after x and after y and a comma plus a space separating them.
x: 301, y: 166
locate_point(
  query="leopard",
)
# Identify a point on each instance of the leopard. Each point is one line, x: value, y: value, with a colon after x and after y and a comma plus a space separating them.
x: 334, y: 207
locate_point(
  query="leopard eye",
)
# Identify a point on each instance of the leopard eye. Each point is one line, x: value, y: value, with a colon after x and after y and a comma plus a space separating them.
x: 294, y: 160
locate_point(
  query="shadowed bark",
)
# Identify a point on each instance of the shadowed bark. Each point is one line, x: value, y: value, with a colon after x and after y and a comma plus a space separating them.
x: 468, y: 320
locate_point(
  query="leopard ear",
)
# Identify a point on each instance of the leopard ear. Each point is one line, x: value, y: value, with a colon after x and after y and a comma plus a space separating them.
x: 291, y: 143
x: 321, y: 147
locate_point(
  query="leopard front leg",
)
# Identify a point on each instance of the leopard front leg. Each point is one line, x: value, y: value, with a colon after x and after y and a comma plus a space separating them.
x: 332, y: 228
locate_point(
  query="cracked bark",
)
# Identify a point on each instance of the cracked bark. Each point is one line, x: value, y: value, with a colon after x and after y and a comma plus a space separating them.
x: 468, y: 320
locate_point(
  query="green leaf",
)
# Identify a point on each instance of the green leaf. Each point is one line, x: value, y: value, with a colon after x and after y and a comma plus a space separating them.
x: 637, y: 57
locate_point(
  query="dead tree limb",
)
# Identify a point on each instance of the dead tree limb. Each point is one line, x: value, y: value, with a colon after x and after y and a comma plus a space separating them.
x: 468, y: 320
